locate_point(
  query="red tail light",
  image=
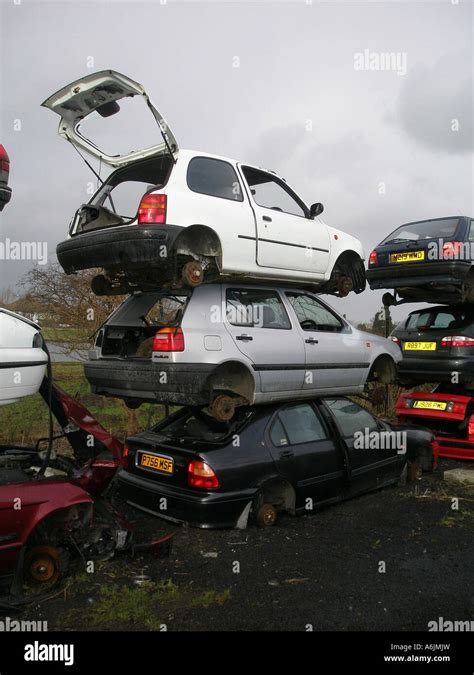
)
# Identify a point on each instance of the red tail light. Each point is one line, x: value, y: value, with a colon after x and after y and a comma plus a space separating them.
x: 152, y: 209
x: 451, y: 249
x: 4, y: 160
x: 125, y: 457
x: 395, y: 339
x: 200, y: 475
x: 373, y: 258
x: 457, y: 341
x: 169, y: 340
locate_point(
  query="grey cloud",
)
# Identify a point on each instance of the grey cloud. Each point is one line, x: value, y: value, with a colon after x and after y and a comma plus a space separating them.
x: 433, y: 98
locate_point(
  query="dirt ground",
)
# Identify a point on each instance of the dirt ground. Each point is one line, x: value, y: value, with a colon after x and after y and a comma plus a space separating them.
x: 390, y: 560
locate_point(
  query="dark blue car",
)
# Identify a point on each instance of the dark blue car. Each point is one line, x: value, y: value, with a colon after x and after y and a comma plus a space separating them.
x: 293, y: 457
x: 427, y: 261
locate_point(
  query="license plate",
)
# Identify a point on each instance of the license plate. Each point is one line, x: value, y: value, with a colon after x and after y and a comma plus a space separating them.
x: 430, y: 405
x: 420, y: 346
x: 407, y: 256
x: 156, y: 463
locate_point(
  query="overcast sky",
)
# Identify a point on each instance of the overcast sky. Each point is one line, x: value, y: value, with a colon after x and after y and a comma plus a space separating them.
x: 377, y: 147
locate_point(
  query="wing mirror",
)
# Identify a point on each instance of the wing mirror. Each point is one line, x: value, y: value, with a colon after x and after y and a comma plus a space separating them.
x: 315, y: 210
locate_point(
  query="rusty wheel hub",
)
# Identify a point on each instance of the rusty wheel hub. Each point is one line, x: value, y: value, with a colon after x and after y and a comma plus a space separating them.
x: 344, y: 286
x: 193, y: 273
x: 223, y: 408
x: 41, y: 564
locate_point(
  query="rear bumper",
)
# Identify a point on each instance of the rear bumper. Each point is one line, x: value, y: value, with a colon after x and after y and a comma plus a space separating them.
x: 125, y: 247
x: 416, y: 274
x: 179, y: 384
x: 455, y: 448
x: 436, y: 369
x: 207, y: 510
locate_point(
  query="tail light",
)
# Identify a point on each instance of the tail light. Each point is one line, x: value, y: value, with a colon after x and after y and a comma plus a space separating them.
x: 457, y: 341
x: 4, y: 160
x: 451, y: 249
x: 373, y: 258
x: 200, y: 475
x: 125, y: 454
x: 395, y: 339
x: 169, y: 340
x: 152, y: 209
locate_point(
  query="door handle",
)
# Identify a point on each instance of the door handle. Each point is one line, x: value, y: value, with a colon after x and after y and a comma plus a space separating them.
x: 312, y: 341
x: 267, y: 218
x: 286, y: 454
x: 244, y: 337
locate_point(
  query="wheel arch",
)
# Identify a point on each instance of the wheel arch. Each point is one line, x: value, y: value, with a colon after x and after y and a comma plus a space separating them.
x: 199, y: 239
x: 233, y: 376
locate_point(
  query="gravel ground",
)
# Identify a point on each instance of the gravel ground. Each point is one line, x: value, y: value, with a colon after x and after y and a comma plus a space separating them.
x: 321, y: 571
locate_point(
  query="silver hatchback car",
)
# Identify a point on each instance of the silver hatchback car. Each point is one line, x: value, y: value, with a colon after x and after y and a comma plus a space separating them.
x: 224, y: 345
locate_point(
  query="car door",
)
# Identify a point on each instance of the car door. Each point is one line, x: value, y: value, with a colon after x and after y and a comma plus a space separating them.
x: 286, y: 237
x: 305, y: 454
x: 335, y: 356
x: 259, y: 324
x: 373, y: 455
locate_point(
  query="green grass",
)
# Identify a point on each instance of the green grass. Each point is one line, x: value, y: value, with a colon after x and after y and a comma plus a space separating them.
x: 52, y: 334
x: 209, y: 598
x: 139, y: 605
x: 23, y: 423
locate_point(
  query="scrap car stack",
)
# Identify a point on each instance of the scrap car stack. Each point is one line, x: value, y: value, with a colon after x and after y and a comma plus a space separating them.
x: 223, y: 265
x: 221, y: 262
x: 432, y: 261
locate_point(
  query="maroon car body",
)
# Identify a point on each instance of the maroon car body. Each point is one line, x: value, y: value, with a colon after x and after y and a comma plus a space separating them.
x: 53, y: 506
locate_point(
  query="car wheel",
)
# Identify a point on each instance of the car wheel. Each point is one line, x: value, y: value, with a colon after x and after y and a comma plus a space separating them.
x: 193, y: 273
x: 266, y: 515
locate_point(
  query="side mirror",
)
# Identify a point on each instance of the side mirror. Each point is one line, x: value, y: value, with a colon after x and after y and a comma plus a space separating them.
x: 315, y: 210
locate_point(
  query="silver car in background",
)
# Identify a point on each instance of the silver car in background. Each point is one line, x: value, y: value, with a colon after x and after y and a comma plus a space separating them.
x: 224, y: 345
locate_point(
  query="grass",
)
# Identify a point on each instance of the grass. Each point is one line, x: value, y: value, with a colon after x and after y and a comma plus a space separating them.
x: 119, y: 604
x: 209, y: 598
x: 457, y: 519
x: 52, y: 334
x: 24, y: 422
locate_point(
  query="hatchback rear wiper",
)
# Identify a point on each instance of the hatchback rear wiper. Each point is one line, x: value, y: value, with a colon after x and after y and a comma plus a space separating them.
x: 396, y: 240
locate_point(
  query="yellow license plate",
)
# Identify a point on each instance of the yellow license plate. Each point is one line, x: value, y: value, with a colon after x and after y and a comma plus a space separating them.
x: 420, y: 346
x: 430, y: 405
x: 407, y: 256
x: 157, y: 463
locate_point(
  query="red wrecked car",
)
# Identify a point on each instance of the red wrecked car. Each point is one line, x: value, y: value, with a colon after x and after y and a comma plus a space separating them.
x: 53, y: 507
x: 449, y: 411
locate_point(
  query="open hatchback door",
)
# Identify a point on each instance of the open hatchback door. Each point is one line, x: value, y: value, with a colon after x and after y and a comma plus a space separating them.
x: 99, y: 93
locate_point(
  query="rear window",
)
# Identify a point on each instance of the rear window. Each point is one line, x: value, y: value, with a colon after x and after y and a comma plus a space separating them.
x: 436, y: 319
x: 122, y: 192
x: 196, y: 426
x: 215, y: 178
x: 150, y: 309
x: 444, y: 228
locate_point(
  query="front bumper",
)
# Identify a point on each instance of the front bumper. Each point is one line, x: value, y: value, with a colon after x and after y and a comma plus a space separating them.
x: 416, y: 274
x: 436, y: 369
x: 125, y: 247
x: 178, y: 384
x: 5, y: 195
x: 206, y: 510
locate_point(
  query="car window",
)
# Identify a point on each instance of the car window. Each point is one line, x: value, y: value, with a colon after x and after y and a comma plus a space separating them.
x: 312, y: 315
x: 471, y: 231
x: 444, y: 228
x: 214, y: 177
x: 256, y: 308
x: 433, y: 320
x: 297, y: 424
x: 350, y: 416
x: 269, y: 192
